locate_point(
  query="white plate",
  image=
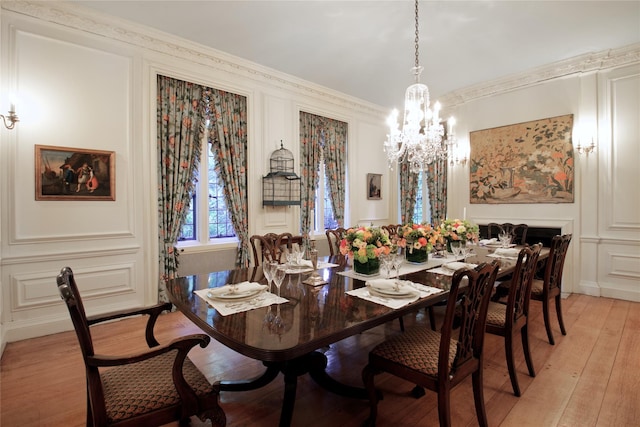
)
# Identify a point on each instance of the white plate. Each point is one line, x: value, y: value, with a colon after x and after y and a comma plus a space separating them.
x: 391, y: 293
x: 228, y: 295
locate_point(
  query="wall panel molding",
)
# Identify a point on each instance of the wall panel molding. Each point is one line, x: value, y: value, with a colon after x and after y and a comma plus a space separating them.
x: 38, y: 289
x: 64, y: 255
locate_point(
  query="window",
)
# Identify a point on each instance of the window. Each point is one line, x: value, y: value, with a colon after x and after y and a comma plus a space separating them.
x: 207, y: 218
x: 422, y: 210
x: 324, y: 217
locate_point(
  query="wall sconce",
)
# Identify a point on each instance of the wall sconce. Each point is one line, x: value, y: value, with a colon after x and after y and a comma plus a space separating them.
x: 12, y: 118
x: 458, y: 154
x: 586, y: 150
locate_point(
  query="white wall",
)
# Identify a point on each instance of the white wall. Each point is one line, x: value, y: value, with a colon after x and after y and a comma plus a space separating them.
x: 86, y: 81
x: 604, y: 256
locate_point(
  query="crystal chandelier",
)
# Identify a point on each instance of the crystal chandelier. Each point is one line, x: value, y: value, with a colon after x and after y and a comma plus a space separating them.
x: 422, y: 139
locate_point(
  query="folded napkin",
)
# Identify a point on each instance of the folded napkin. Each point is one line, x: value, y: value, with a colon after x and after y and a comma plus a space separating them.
x: 384, y: 284
x: 507, y: 252
x: 303, y: 263
x: 242, y: 287
x: 454, y: 266
x: 488, y: 241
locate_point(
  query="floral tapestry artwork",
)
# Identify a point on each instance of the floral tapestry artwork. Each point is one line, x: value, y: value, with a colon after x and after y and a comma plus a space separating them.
x: 528, y: 162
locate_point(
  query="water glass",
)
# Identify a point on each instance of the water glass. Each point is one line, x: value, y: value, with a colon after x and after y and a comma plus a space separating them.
x: 505, y: 239
x: 456, y: 248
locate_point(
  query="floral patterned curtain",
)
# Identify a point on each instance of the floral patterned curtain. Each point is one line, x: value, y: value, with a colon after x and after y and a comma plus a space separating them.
x: 335, y: 159
x: 408, y: 192
x: 180, y: 127
x: 228, y: 132
x: 437, y: 183
x: 310, y: 154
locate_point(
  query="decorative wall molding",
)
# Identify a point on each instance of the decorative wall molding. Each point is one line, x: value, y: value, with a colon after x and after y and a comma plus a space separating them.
x: 587, y: 63
x: 157, y: 41
x: 153, y: 40
x: 60, y: 255
x: 37, y: 289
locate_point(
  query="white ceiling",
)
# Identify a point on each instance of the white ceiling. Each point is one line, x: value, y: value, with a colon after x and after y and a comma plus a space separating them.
x: 366, y: 48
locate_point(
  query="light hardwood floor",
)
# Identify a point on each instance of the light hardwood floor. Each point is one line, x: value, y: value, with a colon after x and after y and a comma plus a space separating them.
x: 591, y: 377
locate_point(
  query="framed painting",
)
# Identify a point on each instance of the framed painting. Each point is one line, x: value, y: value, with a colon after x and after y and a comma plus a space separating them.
x: 64, y: 173
x: 374, y: 186
x: 529, y: 162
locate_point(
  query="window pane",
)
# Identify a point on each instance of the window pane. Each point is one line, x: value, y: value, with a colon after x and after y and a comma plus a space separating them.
x: 329, y: 218
x: 418, y: 211
x: 219, y: 221
x: 188, y: 231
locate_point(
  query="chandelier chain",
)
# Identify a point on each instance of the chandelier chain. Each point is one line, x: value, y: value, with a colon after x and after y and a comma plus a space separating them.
x: 417, y: 37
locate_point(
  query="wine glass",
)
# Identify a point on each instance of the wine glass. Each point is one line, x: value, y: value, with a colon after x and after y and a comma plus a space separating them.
x: 397, y: 262
x: 278, y: 276
x: 267, y: 271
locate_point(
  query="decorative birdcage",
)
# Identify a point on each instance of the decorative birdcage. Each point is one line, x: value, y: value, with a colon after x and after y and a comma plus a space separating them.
x: 281, y: 186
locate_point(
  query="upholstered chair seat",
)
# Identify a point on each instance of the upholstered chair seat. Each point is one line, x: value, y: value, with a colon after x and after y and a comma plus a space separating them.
x: 416, y: 349
x: 141, y: 388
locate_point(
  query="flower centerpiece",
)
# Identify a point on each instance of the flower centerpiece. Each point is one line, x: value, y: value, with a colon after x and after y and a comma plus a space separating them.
x: 365, y: 245
x: 456, y: 230
x: 418, y: 240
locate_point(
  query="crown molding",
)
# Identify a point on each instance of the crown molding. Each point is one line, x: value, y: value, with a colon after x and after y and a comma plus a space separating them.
x: 89, y: 21
x: 101, y: 25
x: 587, y: 63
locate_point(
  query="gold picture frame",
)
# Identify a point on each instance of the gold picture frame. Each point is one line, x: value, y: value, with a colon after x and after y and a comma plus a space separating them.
x: 65, y: 173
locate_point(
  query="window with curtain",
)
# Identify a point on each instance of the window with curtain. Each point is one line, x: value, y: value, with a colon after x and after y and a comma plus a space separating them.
x: 323, y: 162
x: 207, y: 217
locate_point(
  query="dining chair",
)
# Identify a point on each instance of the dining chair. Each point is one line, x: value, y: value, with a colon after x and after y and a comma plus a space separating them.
x: 550, y: 285
x: 143, y: 388
x: 334, y: 237
x: 439, y: 360
x: 517, y: 231
x: 261, y: 248
x: 392, y: 229
x: 271, y: 246
x: 506, y: 319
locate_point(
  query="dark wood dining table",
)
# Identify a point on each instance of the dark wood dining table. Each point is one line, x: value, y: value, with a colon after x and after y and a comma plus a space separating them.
x: 313, y: 318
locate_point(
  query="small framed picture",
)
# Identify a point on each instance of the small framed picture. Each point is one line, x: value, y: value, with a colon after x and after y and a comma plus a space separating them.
x: 374, y: 186
x: 64, y: 173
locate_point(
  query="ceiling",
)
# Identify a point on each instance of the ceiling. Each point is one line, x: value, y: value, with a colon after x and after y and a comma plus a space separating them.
x: 366, y: 48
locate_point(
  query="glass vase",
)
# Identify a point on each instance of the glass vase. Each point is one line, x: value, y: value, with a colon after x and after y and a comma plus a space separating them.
x: 416, y: 256
x: 372, y: 266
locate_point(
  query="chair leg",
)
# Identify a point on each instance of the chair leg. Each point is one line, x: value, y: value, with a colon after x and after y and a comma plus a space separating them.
x: 401, y: 323
x: 524, y: 332
x: 508, y: 349
x: 478, y: 397
x: 559, y: 312
x: 444, y: 406
x: 368, y: 374
x: 547, y: 324
x: 432, y: 318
